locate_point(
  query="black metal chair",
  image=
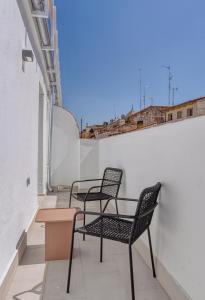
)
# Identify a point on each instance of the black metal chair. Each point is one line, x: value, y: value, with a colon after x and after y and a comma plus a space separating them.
x: 109, y: 188
x: 121, y: 228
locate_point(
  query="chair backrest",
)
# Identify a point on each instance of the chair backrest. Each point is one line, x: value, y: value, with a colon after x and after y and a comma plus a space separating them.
x: 147, y: 201
x: 112, y: 176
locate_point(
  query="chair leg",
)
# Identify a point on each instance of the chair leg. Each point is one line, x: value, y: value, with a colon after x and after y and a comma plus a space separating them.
x: 70, y: 199
x: 117, y: 211
x: 84, y: 219
x: 101, y: 249
x: 131, y: 273
x: 101, y: 238
x: 151, y: 253
x: 106, y: 204
x: 70, y: 261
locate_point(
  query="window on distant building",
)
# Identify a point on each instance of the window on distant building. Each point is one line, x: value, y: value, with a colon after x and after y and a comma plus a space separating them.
x: 140, y: 124
x: 189, y: 112
x: 179, y: 114
x: 169, y: 117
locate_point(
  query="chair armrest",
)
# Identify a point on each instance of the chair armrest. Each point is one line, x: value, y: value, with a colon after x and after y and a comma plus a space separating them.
x: 93, y: 188
x: 99, y: 186
x: 86, y: 180
x: 109, y: 215
x: 127, y: 199
x: 90, y: 189
x: 148, y: 212
x: 121, y: 199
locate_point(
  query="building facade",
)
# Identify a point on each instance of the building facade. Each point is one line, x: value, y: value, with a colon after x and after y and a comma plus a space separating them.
x: 192, y: 108
x: 149, y: 116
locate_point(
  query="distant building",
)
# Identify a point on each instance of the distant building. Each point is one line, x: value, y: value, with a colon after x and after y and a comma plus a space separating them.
x: 149, y: 116
x: 192, y: 108
x: 91, y: 131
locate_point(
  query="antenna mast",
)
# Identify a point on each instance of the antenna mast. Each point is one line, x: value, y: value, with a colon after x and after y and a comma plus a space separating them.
x: 144, y: 98
x: 140, y: 85
x: 114, y: 110
x: 170, y: 76
x: 144, y: 95
x: 174, y: 89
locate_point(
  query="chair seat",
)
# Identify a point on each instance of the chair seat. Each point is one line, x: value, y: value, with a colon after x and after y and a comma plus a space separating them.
x: 91, y: 196
x: 111, y: 228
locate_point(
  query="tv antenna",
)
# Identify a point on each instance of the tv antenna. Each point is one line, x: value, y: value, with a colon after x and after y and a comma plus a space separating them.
x: 170, y: 77
x: 144, y: 95
x: 151, y: 100
x: 140, y: 86
x: 174, y: 90
x: 114, y: 111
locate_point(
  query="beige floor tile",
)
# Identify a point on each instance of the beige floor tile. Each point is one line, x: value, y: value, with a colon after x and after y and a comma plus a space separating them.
x: 36, y: 235
x: 151, y: 294
x: 27, y: 283
x: 35, y: 254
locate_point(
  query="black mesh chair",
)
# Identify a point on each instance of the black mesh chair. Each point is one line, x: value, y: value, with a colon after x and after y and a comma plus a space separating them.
x: 121, y: 228
x: 109, y: 188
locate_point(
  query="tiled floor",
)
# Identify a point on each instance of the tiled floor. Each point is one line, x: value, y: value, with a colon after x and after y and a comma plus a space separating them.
x: 91, y: 280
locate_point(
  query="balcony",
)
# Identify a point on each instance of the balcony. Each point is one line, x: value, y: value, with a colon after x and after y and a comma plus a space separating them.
x: 170, y: 153
x: 41, y: 148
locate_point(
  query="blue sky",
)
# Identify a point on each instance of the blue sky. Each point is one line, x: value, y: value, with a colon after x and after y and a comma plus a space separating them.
x: 104, y: 43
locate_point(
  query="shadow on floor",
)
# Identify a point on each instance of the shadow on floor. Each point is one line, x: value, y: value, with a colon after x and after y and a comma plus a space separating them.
x: 36, y: 290
x: 35, y: 254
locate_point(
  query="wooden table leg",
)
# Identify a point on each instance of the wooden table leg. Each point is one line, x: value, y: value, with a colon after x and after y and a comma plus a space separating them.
x: 58, y: 240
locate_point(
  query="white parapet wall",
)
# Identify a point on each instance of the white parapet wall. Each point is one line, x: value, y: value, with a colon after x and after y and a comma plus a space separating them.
x: 89, y: 161
x: 173, y: 154
x: 19, y: 114
x: 65, y: 151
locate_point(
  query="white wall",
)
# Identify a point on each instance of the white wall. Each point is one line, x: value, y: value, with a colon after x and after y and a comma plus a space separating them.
x: 19, y: 132
x: 43, y: 132
x: 89, y: 161
x: 175, y: 155
x: 65, y: 152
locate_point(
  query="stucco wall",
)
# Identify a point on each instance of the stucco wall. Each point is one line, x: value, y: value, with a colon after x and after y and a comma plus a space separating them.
x: 89, y: 161
x: 65, y: 152
x: 173, y: 154
x: 19, y: 132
